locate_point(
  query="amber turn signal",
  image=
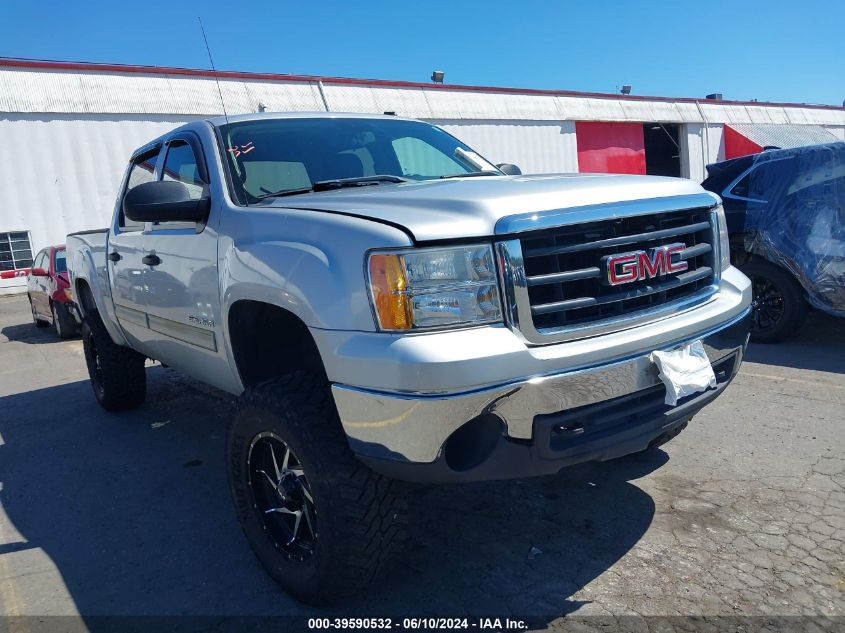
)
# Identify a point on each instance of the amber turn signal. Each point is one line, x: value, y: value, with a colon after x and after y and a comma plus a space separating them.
x: 388, y: 283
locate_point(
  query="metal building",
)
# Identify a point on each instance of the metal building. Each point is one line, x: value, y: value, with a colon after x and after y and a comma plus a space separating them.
x: 67, y: 130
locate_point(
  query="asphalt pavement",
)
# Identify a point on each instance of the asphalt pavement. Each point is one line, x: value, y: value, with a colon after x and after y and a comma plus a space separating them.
x: 742, y: 515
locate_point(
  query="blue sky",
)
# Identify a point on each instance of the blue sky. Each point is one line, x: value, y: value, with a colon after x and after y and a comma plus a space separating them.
x: 779, y: 50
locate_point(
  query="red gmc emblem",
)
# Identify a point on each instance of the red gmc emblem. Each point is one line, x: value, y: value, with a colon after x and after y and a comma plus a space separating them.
x: 625, y: 268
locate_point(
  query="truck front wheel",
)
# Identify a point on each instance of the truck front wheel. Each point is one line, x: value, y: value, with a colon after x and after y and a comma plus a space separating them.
x: 117, y: 373
x: 320, y: 522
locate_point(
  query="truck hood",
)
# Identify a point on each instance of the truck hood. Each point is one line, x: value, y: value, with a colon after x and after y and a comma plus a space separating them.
x: 470, y: 207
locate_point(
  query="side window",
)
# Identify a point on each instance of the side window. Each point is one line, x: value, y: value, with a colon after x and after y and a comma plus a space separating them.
x: 181, y: 166
x: 740, y: 189
x: 61, y: 262
x: 418, y: 158
x: 764, y: 180
x: 753, y: 185
x: 41, y: 261
x: 142, y: 170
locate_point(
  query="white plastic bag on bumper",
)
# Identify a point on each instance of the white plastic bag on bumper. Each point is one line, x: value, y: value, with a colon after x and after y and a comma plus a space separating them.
x: 685, y: 371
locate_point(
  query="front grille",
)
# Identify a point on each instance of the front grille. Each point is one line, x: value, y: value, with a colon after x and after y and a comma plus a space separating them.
x: 563, y: 271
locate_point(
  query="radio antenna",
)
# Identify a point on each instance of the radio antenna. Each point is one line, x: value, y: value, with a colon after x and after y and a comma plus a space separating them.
x: 213, y: 69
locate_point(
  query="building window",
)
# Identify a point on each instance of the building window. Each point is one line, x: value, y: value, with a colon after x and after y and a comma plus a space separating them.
x: 15, y: 251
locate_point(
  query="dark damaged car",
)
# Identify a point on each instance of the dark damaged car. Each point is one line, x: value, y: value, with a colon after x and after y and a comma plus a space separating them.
x: 785, y: 213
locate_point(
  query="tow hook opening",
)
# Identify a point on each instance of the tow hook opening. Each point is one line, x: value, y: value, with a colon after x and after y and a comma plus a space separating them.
x: 660, y: 440
x: 473, y: 443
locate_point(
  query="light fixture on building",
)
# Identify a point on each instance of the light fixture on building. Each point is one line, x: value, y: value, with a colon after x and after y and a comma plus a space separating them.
x: 437, y: 76
x: 626, y: 90
x: 262, y: 107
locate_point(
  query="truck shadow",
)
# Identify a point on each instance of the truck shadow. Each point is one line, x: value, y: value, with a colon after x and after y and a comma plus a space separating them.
x: 129, y: 514
x: 818, y: 345
x: 28, y: 333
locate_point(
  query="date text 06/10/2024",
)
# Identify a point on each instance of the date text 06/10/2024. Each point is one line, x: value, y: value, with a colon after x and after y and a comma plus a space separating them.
x: 416, y: 624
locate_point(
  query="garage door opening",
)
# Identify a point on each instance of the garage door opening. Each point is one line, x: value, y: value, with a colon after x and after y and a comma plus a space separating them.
x: 662, y: 150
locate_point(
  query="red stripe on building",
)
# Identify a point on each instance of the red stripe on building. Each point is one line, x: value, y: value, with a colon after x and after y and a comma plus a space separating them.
x: 737, y: 144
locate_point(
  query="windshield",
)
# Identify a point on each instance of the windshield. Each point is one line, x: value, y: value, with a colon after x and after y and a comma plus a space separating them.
x: 61, y: 262
x: 275, y: 155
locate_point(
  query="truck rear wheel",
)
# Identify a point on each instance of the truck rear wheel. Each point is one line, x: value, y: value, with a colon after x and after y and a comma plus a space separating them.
x: 320, y: 522
x: 778, y: 308
x: 117, y: 373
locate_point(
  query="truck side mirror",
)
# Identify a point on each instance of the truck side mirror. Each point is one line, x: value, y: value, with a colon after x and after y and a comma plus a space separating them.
x: 509, y: 169
x: 164, y: 201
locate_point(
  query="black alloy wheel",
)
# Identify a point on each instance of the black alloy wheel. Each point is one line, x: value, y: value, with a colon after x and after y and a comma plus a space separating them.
x: 778, y: 306
x: 95, y: 368
x: 767, y: 305
x: 117, y: 373
x: 282, y: 496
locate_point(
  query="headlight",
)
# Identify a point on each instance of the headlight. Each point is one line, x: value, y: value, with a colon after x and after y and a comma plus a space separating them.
x: 427, y: 288
x: 724, y: 240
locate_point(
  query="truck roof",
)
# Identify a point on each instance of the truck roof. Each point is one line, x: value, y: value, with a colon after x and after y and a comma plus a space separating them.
x: 256, y: 116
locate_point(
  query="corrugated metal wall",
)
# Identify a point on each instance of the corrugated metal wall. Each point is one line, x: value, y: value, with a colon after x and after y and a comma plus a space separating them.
x: 537, y: 147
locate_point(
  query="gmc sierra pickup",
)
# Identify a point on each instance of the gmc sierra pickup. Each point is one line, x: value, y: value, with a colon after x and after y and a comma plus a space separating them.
x: 388, y: 305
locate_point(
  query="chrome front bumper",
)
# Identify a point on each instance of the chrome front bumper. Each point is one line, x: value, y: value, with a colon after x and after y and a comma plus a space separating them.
x: 414, y: 427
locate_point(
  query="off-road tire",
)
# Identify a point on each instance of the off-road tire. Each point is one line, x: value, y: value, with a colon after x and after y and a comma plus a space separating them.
x: 361, y: 517
x: 40, y: 323
x: 119, y: 380
x: 63, y: 322
x: 794, y: 304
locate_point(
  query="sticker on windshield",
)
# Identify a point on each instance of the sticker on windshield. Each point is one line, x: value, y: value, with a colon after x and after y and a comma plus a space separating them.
x: 238, y: 150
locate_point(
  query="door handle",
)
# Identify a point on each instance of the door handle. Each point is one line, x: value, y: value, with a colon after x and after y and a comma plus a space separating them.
x: 114, y: 256
x: 151, y: 260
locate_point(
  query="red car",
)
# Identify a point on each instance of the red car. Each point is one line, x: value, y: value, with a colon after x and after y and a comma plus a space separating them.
x: 48, y: 288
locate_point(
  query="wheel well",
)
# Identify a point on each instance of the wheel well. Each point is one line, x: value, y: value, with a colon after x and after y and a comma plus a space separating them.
x: 85, y: 298
x: 268, y: 341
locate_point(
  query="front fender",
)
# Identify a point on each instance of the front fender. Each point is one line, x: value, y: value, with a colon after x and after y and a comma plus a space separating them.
x: 309, y: 263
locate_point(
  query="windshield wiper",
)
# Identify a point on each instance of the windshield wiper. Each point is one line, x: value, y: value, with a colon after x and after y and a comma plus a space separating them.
x: 360, y: 181
x: 327, y: 185
x: 284, y: 192
x: 473, y: 174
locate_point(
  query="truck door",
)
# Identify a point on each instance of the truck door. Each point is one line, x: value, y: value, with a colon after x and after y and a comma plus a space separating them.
x: 183, y: 299
x: 123, y: 259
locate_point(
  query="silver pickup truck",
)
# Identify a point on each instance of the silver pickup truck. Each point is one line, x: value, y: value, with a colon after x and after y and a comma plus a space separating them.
x: 388, y: 305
